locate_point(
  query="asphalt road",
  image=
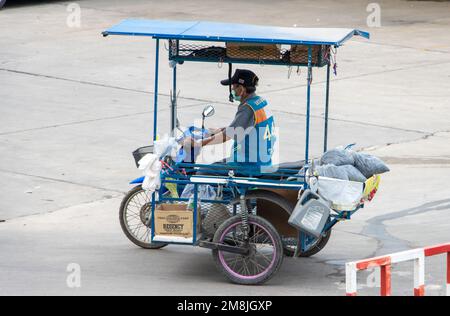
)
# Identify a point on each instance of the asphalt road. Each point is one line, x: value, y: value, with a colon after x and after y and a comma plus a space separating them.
x: 74, y: 105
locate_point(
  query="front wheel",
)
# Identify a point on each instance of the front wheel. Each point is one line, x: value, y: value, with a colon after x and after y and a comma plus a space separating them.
x: 265, y: 250
x: 134, y: 215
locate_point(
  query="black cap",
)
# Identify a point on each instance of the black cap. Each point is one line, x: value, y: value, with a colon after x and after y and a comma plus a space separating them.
x: 244, y: 77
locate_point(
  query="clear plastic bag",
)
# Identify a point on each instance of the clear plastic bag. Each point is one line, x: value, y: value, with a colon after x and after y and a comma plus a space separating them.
x: 205, y: 192
x: 166, y: 146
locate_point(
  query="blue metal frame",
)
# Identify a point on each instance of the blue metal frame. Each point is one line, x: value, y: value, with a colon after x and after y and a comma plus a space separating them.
x: 308, y: 102
x: 153, y: 214
x: 195, y: 237
x: 327, y: 95
x: 173, y: 112
x: 306, y: 241
x: 249, y: 40
x: 228, y: 60
x: 155, y: 106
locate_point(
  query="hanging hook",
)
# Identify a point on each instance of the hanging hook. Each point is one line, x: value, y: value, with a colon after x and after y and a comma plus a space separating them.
x: 333, y: 51
x: 172, y: 64
x: 334, y: 58
x: 261, y: 62
x: 326, y: 55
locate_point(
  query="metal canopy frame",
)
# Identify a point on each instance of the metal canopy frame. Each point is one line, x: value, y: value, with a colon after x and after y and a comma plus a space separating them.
x: 234, y: 32
x: 225, y: 32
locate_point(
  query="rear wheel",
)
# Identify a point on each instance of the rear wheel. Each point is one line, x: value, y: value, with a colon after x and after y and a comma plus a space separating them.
x: 265, y: 250
x: 289, y: 243
x: 134, y: 215
x: 252, y: 198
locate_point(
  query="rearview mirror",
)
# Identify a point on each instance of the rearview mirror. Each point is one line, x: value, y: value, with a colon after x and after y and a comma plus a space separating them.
x: 208, y: 111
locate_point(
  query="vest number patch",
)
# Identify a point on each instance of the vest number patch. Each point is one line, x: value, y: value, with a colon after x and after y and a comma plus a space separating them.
x: 267, y: 133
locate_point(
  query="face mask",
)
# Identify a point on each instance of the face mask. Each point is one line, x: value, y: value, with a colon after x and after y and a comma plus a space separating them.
x: 235, y: 97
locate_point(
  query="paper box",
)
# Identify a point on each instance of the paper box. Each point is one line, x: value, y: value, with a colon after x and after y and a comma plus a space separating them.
x: 173, y: 222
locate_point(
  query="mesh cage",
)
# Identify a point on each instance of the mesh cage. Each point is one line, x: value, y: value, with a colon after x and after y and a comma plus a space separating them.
x: 251, y: 51
x: 214, y: 215
x: 141, y: 152
x: 230, y: 52
x: 197, y: 51
x: 298, y: 54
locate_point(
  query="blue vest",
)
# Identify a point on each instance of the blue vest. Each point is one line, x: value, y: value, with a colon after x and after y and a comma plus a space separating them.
x: 257, y: 146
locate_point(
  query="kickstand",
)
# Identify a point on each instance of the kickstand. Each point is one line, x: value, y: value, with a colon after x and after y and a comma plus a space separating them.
x: 299, y: 246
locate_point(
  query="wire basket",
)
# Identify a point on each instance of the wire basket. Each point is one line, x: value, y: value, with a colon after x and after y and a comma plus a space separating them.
x: 254, y: 51
x: 298, y: 54
x: 139, y: 153
x: 214, y: 215
x: 230, y: 52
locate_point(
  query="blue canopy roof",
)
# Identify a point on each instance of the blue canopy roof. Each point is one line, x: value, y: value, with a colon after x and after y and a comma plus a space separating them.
x: 232, y: 32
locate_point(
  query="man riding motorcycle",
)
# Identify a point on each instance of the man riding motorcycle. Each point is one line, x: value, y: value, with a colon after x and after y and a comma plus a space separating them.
x: 252, y: 129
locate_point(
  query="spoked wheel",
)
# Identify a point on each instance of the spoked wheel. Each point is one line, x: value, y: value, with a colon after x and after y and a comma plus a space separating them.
x: 271, y: 198
x: 265, y: 250
x: 135, y: 215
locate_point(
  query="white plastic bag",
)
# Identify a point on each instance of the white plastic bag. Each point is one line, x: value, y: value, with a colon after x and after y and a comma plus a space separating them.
x: 151, y: 167
x: 344, y: 195
x: 166, y: 146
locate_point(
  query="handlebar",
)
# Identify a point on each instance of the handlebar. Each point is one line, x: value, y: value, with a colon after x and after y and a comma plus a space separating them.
x: 194, y: 132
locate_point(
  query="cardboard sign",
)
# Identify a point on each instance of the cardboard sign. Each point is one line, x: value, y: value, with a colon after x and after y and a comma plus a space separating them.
x: 174, y: 220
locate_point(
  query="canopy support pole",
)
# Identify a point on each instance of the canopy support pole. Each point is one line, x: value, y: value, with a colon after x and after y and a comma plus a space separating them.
x: 325, y: 137
x: 155, y: 105
x: 173, y: 121
x: 308, y: 102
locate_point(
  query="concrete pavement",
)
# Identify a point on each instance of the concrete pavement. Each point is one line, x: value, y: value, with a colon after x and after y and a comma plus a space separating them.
x: 75, y: 105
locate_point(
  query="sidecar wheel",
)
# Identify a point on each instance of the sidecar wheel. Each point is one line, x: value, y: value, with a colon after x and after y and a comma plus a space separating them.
x: 319, y: 244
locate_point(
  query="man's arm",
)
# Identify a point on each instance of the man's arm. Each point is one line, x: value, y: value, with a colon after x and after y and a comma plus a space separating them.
x: 216, y: 130
x: 215, y: 139
x: 244, y: 119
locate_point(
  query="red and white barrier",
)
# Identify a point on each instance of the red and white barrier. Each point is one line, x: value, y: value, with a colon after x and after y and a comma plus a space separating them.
x: 437, y: 250
x: 385, y: 263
